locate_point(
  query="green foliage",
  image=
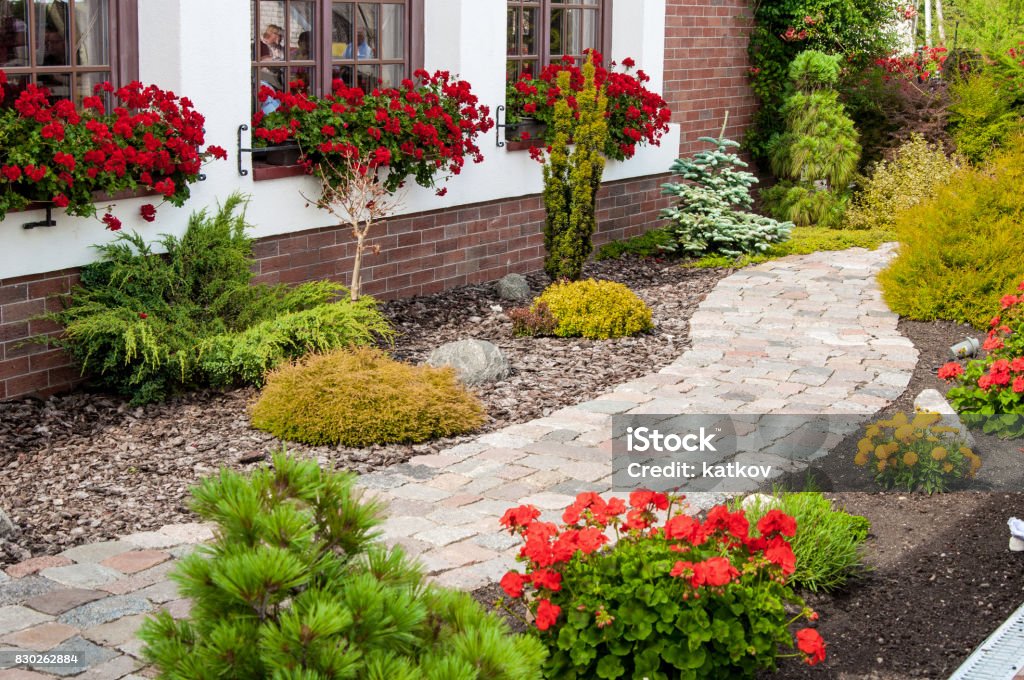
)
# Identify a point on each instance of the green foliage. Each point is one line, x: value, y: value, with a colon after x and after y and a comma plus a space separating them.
x: 670, y: 599
x: 532, y: 321
x: 571, y: 180
x: 915, y: 453
x: 804, y: 241
x: 363, y: 397
x: 990, y: 393
x: 292, y: 586
x: 989, y: 26
x: 859, y: 30
x: 961, y: 250
x: 828, y: 543
x: 981, y: 116
x: 649, y: 244
x: 595, y: 309
x: 912, y: 176
x: 711, y: 214
x: 145, y: 325
x: 818, y: 154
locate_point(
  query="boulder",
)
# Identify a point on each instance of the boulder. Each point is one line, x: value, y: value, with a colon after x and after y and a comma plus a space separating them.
x: 932, y: 401
x: 513, y: 287
x: 475, y: 361
x: 7, y: 528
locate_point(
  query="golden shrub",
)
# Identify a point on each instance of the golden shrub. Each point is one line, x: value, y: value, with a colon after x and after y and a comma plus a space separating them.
x: 912, y: 176
x: 595, y: 309
x: 363, y: 397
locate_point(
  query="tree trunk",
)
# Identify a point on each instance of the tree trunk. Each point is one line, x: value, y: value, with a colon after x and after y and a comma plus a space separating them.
x: 355, y: 267
x: 941, y: 21
x: 928, y: 23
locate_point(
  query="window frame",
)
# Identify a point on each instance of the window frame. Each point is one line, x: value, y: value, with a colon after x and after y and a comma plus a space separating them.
x: 324, y: 60
x: 544, y: 9
x: 122, y: 47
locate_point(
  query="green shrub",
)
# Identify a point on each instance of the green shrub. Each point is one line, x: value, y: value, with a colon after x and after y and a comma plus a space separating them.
x: 674, y: 597
x: 363, y: 397
x: 989, y: 393
x: 595, y: 309
x: 145, y: 325
x: 804, y: 241
x: 711, y: 215
x: 817, y: 155
x: 913, y: 175
x: 532, y: 321
x: 981, y: 117
x: 293, y: 587
x: 649, y: 244
x: 572, y: 179
x: 828, y: 543
x: 962, y: 249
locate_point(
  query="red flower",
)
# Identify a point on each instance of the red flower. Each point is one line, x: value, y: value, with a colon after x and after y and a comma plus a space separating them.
x: 512, y: 583
x: 809, y: 642
x: 381, y: 156
x: 776, y: 521
x: 12, y: 172
x: 1018, y: 385
x: 1008, y: 301
x: 716, y: 571
x: 148, y: 212
x: 61, y: 201
x: 35, y: 174
x: 779, y: 552
x: 993, y: 342
x: 683, y: 527
x: 545, y: 578
x: 547, y: 614
x: 143, y: 315
x: 950, y: 371
x: 217, y: 152
x: 642, y: 499
x: 113, y: 224
x: 628, y: 62
x: 522, y: 516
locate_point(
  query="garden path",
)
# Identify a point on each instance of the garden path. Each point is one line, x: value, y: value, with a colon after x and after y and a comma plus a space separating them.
x: 804, y: 334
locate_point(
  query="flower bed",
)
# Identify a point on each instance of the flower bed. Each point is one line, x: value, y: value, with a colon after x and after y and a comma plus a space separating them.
x: 59, y: 154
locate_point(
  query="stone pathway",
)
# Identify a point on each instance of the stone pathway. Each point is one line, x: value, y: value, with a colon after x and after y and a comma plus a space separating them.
x: 800, y: 335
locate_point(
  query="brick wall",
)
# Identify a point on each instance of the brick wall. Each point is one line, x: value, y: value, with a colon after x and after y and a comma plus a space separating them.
x: 706, y: 68
x: 420, y: 254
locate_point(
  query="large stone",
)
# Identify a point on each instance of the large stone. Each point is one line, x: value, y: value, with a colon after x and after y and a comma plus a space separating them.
x: 8, y: 529
x: 513, y: 287
x: 475, y: 361
x: 932, y: 401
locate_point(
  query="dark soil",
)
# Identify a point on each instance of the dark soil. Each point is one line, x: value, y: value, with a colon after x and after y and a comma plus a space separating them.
x: 85, y: 466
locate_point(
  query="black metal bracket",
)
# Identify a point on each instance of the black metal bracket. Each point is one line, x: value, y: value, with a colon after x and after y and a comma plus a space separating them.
x: 499, y: 126
x: 48, y: 222
x: 263, y: 149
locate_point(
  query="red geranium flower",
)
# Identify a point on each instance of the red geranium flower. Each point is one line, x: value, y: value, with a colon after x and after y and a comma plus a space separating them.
x: 951, y: 371
x: 148, y: 212
x: 810, y: 642
x: 547, y: 614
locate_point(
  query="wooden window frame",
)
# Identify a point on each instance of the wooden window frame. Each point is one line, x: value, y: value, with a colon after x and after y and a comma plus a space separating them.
x: 122, y: 48
x: 544, y: 9
x: 323, y: 60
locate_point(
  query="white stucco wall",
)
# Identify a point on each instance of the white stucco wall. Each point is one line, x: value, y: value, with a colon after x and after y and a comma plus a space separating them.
x: 200, y: 49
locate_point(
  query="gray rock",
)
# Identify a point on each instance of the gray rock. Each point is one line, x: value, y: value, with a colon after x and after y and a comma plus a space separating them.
x: 475, y: 361
x: 513, y: 287
x: 932, y: 401
x: 8, y: 529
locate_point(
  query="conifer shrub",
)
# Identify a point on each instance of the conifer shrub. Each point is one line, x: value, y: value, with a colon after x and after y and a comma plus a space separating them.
x: 961, y: 250
x: 595, y: 309
x: 293, y: 586
x: 914, y: 174
x: 145, y: 325
x: 711, y: 216
x: 363, y: 397
x: 817, y: 156
x: 981, y: 115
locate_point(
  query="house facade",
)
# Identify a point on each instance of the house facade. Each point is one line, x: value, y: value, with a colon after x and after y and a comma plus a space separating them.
x: 489, y: 222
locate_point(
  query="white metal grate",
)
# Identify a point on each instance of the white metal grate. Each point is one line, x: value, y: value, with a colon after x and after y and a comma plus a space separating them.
x: 1000, y: 656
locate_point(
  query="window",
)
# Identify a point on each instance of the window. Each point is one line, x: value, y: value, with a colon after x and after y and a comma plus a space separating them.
x: 366, y: 43
x: 542, y: 31
x: 68, y: 46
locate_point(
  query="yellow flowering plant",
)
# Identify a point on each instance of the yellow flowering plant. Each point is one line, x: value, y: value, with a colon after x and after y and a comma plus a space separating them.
x: 916, y: 453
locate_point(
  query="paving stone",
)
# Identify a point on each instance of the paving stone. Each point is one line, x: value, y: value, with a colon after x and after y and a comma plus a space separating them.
x: 194, y: 532
x: 147, y: 577
x: 150, y: 540
x: 452, y: 517
x: 397, y: 527
x: 158, y: 593
x: 41, y: 637
x: 136, y: 561
x: 102, y: 611
x: 96, y: 552
x: 62, y: 600
x: 22, y: 674
x: 497, y: 542
x: 420, y: 492
x: 19, y: 590
x: 15, y: 617
x: 89, y: 655
x: 116, y: 632
x: 114, y: 669
x: 448, y: 481
x: 178, y: 609
x: 466, y: 552
x: 442, y: 536
x: 133, y: 647
x: 36, y: 564
x: 84, y: 575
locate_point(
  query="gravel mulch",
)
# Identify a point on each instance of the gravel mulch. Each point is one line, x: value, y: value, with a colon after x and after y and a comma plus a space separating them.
x: 86, y: 467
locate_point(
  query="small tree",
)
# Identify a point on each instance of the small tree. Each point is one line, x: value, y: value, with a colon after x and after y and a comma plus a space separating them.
x: 353, y: 192
x: 572, y: 179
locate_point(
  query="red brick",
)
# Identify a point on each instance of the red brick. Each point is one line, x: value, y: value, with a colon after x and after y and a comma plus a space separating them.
x: 27, y: 383
x: 46, y: 287
x: 14, y: 293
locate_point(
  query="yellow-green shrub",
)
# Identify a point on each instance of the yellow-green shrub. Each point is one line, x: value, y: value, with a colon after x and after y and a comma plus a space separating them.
x: 962, y: 249
x: 913, y: 175
x: 595, y: 309
x: 363, y: 397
